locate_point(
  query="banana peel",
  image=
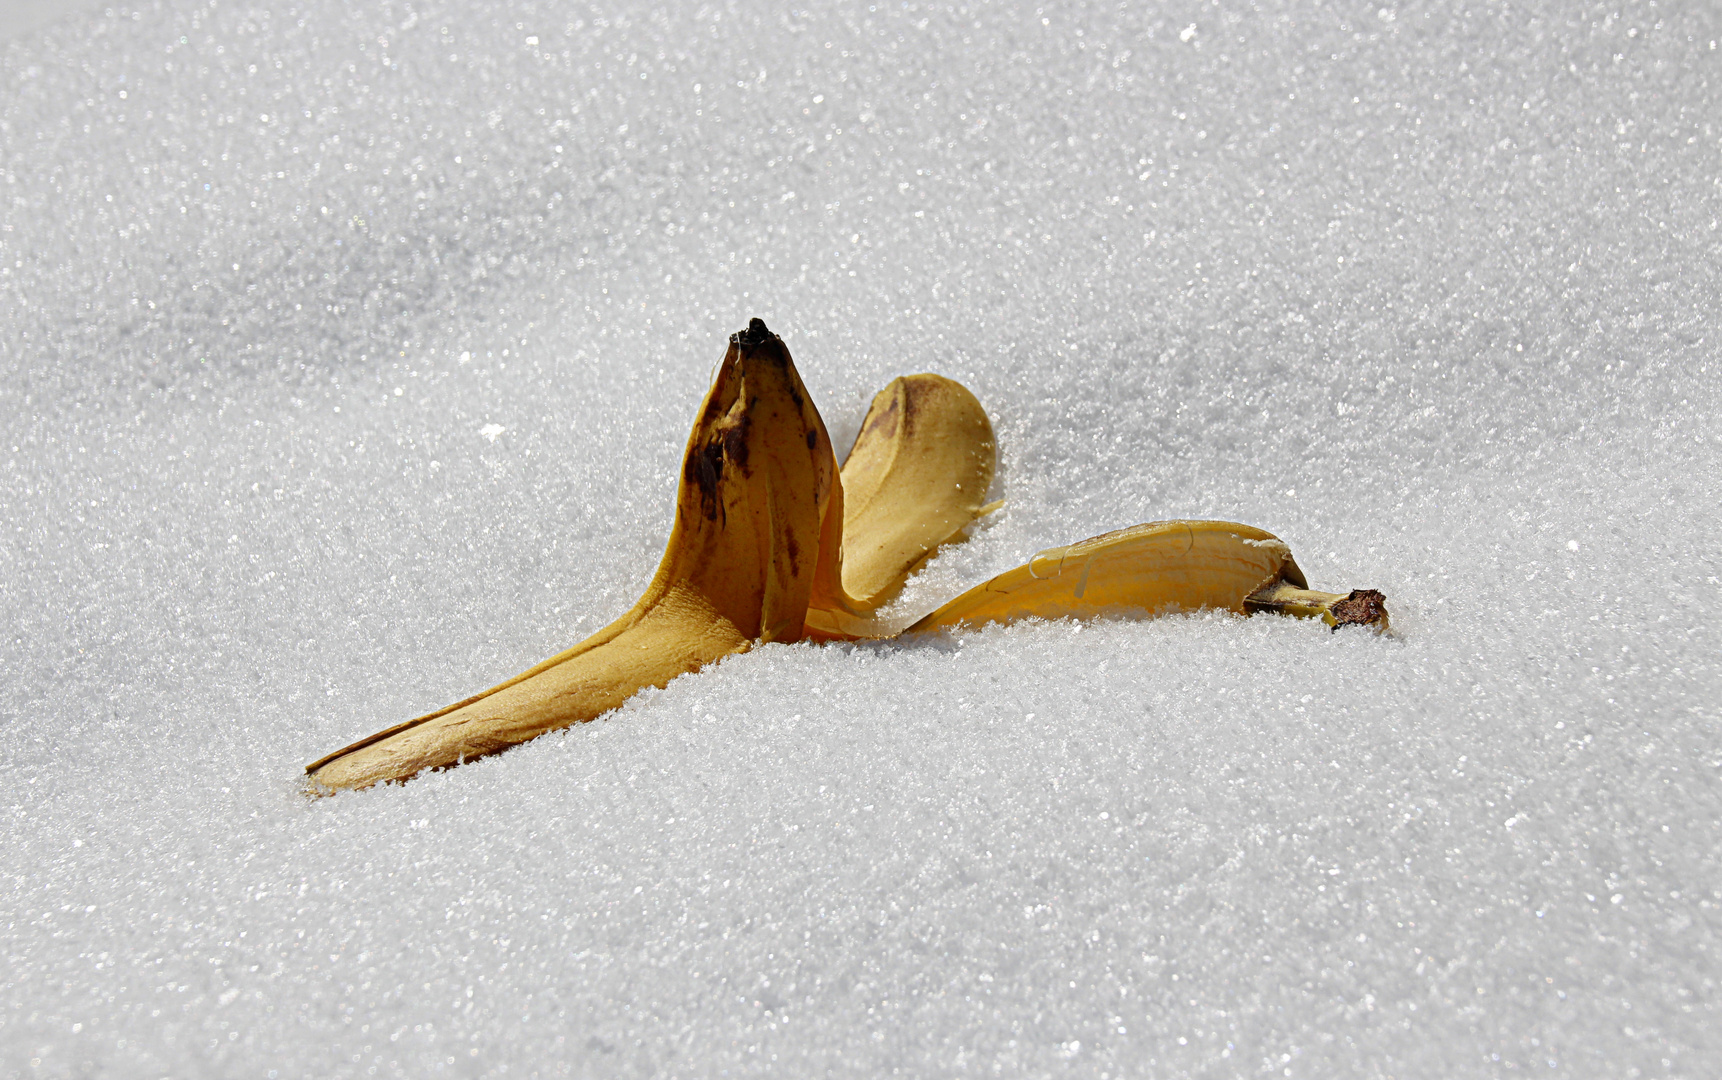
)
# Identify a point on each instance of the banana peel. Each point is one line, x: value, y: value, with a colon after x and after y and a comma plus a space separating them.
x: 915, y: 478
x: 1160, y: 567
x: 772, y: 541
x: 757, y: 477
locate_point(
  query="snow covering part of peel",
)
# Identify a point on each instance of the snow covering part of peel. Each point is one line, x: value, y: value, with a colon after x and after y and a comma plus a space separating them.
x: 1158, y: 566
x: 756, y: 479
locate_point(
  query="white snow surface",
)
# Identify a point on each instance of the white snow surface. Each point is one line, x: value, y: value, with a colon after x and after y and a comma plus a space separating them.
x: 346, y: 360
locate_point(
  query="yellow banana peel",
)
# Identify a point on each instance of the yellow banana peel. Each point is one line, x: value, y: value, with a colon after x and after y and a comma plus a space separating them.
x: 772, y: 542
x: 1161, y: 567
x: 738, y: 569
x: 917, y: 475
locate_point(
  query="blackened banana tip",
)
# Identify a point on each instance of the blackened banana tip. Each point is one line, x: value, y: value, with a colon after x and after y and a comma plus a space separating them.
x: 755, y: 334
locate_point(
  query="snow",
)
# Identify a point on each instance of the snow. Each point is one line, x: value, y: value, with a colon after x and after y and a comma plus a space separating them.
x: 346, y: 362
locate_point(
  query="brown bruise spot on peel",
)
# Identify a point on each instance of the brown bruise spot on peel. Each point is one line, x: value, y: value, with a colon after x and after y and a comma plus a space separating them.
x: 793, y: 550
x: 726, y: 444
x: 884, y: 424
x: 1363, y: 607
x: 734, y: 438
x: 704, y: 470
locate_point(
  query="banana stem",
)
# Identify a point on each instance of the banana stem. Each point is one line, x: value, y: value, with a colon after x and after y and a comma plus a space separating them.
x: 1360, y: 607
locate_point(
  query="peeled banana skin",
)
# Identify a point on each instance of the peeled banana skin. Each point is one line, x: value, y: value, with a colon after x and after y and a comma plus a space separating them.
x: 757, y: 477
x: 917, y: 475
x: 768, y: 545
x: 1155, y: 568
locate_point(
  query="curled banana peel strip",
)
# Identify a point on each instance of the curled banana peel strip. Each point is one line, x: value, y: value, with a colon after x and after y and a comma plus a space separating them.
x: 772, y: 542
x: 1161, y: 567
x: 916, y: 477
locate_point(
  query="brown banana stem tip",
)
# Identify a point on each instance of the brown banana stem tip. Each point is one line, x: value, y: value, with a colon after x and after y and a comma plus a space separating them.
x: 755, y: 334
x: 1363, y: 607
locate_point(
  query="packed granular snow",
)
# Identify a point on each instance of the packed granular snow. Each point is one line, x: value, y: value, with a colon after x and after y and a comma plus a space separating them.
x: 346, y: 363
